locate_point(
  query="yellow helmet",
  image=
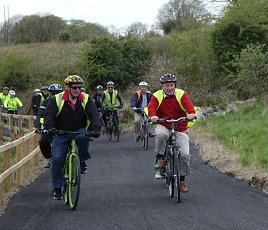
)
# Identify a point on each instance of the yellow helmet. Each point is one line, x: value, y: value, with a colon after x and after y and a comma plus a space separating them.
x: 73, y: 79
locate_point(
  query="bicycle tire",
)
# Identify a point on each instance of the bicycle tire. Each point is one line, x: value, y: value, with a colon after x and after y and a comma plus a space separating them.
x: 171, y: 175
x: 115, y: 130
x: 74, y: 180
x: 65, y: 185
x: 177, y: 177
x: 146, y: 137
x: 109, y: 130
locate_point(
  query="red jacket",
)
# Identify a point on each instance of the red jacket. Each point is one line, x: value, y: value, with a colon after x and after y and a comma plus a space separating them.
x: 171, y: 109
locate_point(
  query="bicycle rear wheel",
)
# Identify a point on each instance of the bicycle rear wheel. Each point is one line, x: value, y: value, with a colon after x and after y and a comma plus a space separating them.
x: 74, y: 180
x: 177, y: 177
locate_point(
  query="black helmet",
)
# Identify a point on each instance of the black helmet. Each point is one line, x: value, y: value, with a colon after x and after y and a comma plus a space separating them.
x: 167, y: 78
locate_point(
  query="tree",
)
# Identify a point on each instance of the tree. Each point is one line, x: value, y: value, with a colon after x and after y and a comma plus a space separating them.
x: 180, y: 15
x: 245, y: 22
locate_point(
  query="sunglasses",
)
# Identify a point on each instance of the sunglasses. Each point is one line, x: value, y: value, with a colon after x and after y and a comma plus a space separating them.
x: 110, y: 87
x: 76, y: 87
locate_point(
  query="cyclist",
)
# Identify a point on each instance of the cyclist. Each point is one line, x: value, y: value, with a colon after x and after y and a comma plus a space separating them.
x: 97, y: 97
x: 42, y: 96
x: 46, y: 138
x: 35, y: 107
x: 83, y: 91
x: 140, y: 99
x: 3, y: 96
x: 109, y: 101
x: 12, y: 103
x: 70, y: 111
x: 171, y: 103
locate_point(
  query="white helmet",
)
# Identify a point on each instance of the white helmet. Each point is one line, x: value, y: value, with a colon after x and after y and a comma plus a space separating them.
x: 36, y: 90
x: 143, y: 83
x: 12, y: 92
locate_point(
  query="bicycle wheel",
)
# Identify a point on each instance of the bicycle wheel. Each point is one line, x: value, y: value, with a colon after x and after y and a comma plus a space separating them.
x: 74, y: 180
x: 115, y: 130
x: 177, y: 176
x: 170, y: 163
x: 146, y: 136
x: 65, y: 186
x: 109, y: 130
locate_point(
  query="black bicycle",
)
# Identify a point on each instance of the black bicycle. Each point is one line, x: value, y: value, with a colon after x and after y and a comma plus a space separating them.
x: 172, y: 169
x: 112, y: 125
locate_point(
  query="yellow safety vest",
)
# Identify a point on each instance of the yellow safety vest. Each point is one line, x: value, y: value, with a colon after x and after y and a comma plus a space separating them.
x: 60, y: 104
x: 178, y: 93
x: 107, y: 100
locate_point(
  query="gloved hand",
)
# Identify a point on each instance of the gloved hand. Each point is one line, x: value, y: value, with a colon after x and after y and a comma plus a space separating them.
x: 38, y: 130
x: 95, y: 134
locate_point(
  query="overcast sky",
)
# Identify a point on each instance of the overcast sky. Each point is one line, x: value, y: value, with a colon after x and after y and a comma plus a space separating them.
x: 119, y: 13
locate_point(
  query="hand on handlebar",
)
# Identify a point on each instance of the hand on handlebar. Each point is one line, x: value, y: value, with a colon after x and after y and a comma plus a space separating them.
x: 154, y: 119
x: 191, y: 117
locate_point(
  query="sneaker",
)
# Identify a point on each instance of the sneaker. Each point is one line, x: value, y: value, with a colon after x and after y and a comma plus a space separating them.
x: 137, y: 138
x: 159, y: 175
x: 47, y: 163
x: 57, y: 194
x: 83, y: 167
x: 183, y: 187
x: 160, y: 164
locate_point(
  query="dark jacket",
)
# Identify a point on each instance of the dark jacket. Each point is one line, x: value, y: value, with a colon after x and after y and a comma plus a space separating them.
x: 69, y: 118
x: 41, y: 113
x: 136, y: 99
x: 97, y: 97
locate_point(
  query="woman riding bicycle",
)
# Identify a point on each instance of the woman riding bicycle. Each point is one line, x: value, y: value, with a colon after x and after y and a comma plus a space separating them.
x: 171, y: 103
x: 70, y: 111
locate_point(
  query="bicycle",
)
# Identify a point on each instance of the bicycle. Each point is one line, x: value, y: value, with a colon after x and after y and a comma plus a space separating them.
x: 172, y: 169
x: 71, y: 170
x: 144, y: 132
x: 112, y: 126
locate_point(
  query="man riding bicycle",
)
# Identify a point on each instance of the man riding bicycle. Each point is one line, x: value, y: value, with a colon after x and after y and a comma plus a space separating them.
x: 171, y: 103
x: 109, y: 101
x: 140, y: 100
x: 70, y: 111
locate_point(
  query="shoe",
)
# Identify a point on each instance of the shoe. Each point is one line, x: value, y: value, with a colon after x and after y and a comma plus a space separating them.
x: 137, y: 138
x: 151, y: 135
x: 47, y: 163
x: 57, y: 194
x: 159, y: 175
x: 83, y: 167
x: 183, y: 187
x: 160, y: 164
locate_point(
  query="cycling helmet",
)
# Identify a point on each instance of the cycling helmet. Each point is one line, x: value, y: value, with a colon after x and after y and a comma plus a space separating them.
x: 55, y: 87
x: 44, y: 88
x: 167, y: 78
x: 36, y: 90
x: 143, y: 83
x: 12, y: 92
x: 99, y: 87
x: 82, y: 90
x: 110, y: 83
x: 73, y: 79
x: 5, y: 88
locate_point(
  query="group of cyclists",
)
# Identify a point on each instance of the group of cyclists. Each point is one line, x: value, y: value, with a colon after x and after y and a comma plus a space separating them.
x: 9, y: 102
x: 72, y: 109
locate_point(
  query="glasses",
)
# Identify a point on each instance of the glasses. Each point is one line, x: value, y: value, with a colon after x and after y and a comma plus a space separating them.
x: 110, y: 87
x: 76, y: 87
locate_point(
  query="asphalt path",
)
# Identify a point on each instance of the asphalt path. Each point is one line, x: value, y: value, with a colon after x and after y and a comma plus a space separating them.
x: 120, y: 192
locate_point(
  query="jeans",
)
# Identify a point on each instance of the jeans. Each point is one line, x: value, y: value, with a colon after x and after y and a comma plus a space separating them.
x: 59, y: 151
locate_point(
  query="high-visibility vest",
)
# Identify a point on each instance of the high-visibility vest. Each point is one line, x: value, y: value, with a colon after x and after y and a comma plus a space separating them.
x: 60, y: 104
x: 178, y: 93
x: 107, y: 100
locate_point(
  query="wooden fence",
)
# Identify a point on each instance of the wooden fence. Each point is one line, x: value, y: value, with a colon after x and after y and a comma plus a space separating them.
x: 21, y: 156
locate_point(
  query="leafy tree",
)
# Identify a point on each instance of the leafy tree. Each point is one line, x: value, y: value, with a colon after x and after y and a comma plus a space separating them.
x: 245, y: 22
x: 121, y: 60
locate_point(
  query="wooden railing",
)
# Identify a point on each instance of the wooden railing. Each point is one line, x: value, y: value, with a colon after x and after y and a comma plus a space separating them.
x: 20, y: 157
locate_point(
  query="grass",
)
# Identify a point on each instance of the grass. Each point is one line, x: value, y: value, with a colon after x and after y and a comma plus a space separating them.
x: 245, y: 132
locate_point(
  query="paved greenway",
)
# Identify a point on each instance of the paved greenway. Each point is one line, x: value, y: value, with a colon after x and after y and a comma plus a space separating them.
x: 120, y: 192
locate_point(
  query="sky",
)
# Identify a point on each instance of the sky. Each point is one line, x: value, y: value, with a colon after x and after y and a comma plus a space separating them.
x: 119, y: 13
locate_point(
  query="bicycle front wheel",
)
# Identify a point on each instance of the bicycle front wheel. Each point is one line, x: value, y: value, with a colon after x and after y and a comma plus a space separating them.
x: 170, y: 174
x: 109, y: 131
x: 145, y: 137
x: 116, y: 130
x: 177, y: 177
x: 74, y: 180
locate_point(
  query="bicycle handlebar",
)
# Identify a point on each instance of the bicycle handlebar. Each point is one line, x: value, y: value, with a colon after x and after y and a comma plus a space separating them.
x: 54, y: 131
x: 174, y: 120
